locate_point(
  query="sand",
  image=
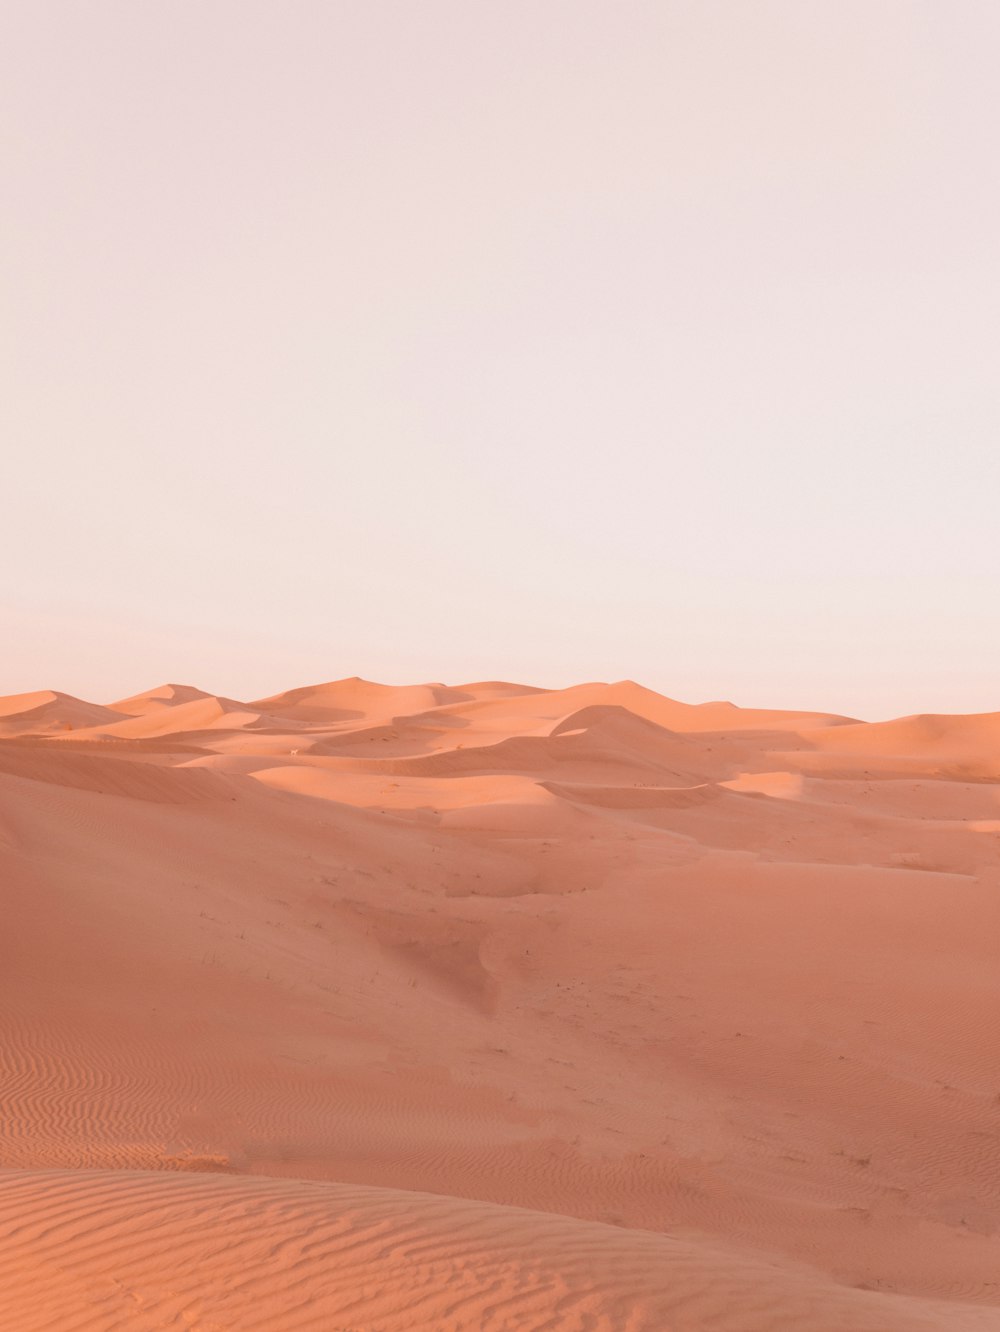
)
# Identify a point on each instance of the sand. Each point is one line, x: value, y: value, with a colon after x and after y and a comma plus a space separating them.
x: 369, y: 1009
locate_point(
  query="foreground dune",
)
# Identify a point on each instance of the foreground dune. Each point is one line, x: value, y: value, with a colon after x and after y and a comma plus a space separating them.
x: 493, y: 1007
x: 129, y: 1249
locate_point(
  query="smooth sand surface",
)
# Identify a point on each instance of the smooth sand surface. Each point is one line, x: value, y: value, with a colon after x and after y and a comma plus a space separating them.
x: 367, y: 1009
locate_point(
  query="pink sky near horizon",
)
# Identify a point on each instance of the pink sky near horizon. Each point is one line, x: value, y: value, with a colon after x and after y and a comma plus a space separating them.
x: 550, y: 342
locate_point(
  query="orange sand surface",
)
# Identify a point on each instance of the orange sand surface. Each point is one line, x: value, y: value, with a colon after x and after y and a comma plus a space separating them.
x: 377, y: 1009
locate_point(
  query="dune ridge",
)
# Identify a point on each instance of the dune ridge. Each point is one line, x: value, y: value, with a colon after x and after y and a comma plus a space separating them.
x: 488, y: 1006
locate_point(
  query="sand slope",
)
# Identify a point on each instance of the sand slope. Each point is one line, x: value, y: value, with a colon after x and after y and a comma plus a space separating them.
x: 492, y: 1007
x: 116, y: 1249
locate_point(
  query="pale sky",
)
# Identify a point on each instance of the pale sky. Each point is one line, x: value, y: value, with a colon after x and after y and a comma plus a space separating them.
x: 548, y: 340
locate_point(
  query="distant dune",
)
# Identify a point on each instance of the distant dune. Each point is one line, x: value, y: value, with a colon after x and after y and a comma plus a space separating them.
x: 365, y: 1008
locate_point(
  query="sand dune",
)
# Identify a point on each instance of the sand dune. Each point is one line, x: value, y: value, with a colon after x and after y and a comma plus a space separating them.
x: 116, y: 1248
x: 162, y: 696
x: 971, y: 741
x: 46, y: 711
x: 365, y: 1007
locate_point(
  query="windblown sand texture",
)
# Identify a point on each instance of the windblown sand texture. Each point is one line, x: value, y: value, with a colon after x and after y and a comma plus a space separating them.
x: 376, y: 1009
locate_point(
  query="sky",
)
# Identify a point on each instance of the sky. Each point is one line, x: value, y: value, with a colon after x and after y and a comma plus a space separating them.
x: 545, y: 340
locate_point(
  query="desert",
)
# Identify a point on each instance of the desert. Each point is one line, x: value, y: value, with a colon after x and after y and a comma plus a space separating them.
x: 392, y: 1008
x: 499, y: 733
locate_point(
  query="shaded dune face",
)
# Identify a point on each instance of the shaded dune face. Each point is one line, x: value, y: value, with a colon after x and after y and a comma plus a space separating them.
x: 491, y: 1007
